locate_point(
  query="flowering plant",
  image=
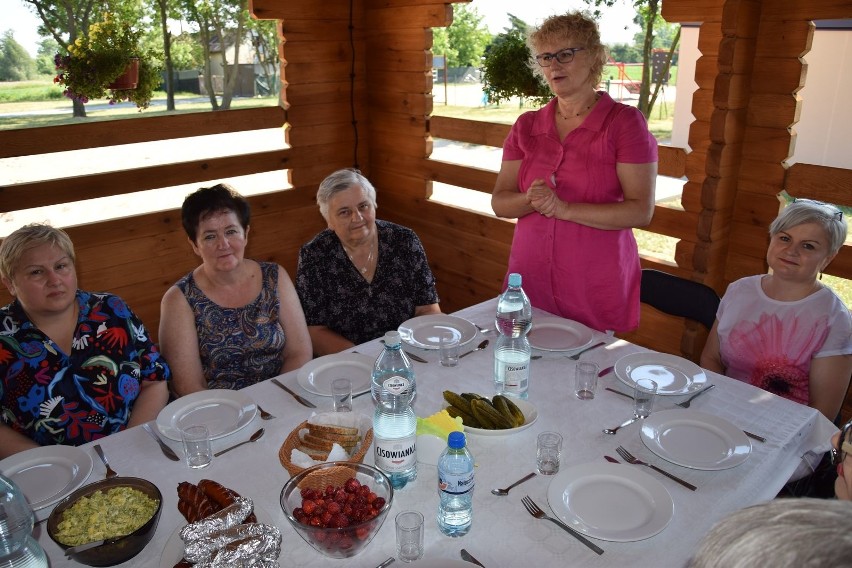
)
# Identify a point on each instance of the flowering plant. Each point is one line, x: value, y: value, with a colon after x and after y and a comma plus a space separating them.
x: 97, y: 59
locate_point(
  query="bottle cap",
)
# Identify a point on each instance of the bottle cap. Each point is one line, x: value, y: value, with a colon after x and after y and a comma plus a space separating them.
x: 455, y: 440
x: 392, y: 338
x: 514, y: 279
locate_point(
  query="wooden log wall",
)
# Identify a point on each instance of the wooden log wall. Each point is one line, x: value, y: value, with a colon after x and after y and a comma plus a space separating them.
x: 357, y: 91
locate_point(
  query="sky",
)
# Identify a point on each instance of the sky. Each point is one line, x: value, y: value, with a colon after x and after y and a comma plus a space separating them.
x: 17, y: 16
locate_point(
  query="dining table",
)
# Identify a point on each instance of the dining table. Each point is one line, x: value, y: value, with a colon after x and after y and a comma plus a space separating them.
x: 503, y: 533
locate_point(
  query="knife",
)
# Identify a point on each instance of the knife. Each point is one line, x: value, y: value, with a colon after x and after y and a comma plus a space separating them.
x: 606, y: 371
x: 611, y: 459
x: 169, y: 453
x: 303, y: 401
x: 619, y: 392
x: 469, y: 558
x: 754, y: 436
x: 414, y: 356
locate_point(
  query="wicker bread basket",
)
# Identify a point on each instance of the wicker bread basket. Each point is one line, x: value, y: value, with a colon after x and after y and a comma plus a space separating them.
x: 329, y: 476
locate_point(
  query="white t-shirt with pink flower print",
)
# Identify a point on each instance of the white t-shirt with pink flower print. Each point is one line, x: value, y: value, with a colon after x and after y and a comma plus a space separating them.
x: 770, y: 344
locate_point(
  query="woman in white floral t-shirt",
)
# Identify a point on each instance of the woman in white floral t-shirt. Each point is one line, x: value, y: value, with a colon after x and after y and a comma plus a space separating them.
x: 786, y: 332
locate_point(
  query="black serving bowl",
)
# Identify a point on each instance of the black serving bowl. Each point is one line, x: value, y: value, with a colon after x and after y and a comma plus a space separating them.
x: 118, y: 550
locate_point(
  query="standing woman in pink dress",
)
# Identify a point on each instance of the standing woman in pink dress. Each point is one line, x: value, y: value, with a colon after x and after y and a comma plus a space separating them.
x: 578, y: 174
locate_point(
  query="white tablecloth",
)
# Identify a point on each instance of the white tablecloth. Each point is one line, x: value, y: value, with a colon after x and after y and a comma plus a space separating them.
x: 503, y: 534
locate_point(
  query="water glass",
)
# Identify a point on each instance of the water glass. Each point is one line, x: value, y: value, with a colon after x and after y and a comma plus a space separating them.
x: 449, y: 350
x: 341, y: 394
x: 644, y: 393
x: 585, y: 380
x: 548, y: 452
x: 196, y: 446
x: 409, y: 536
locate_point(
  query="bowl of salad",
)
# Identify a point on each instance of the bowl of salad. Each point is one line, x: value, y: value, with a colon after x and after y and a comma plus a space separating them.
x: 110, y: 520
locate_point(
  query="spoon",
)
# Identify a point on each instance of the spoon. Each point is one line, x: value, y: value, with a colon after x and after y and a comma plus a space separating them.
x: 612, y: 431
x: 479, y: 347
x: 254, y: 438
x: 504, y: 492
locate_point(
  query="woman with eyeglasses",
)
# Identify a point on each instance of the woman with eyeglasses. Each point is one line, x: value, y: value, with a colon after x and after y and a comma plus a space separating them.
x: 361, y: 276
x: 578, y: 175
x: 785, y: 331
x: 841, y: 450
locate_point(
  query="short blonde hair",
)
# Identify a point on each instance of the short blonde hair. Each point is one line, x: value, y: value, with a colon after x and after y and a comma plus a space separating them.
x: 578, y: 26
x: 29, y: 236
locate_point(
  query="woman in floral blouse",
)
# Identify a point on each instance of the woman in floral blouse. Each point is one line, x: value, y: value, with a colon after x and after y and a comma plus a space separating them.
x: 360, y: 277
x: 75, y: 366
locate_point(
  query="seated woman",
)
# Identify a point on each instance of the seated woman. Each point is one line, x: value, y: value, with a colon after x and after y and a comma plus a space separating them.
x: 75, y: 366
x: 231, y: 322
x: 783, y: 533
x: 785, y: 332
x: 360, y: 277
x: 841, y: 459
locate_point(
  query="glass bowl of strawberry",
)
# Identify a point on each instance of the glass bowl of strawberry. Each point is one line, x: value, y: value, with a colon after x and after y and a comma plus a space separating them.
x: 337, y: 507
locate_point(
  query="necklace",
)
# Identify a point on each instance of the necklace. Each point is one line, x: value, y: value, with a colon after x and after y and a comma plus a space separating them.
x: 366, y: 266
x: 563, y: 117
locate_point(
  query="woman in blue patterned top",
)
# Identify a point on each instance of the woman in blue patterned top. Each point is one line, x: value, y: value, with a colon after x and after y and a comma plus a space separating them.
x: 75, y: 366
x: 360, y: 277
x: 231, y: 322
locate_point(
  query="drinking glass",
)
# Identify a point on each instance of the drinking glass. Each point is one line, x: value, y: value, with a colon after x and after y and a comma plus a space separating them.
x: 409, y: 536
x: 341, y: 394
x: 196, y: 446
x: 548, y: 452
x: 644, y: 393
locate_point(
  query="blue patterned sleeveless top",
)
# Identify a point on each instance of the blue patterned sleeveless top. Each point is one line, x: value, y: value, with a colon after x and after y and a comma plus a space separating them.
x: 239, y: 346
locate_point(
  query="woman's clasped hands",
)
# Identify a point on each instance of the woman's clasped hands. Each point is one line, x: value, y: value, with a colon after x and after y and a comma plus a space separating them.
x: 543, y: 199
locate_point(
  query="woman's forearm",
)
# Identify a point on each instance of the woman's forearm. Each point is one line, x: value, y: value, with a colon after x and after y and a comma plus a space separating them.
x: 151, y: 401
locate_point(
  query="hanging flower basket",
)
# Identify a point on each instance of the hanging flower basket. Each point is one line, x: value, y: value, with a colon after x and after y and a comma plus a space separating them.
x: 109, y: 61
x: 129, y: 79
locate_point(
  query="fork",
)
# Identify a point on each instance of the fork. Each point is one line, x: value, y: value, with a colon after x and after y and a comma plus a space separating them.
x: 110, y: 473
x: 264, y: 415
x: 687, y: 402
x: 576, y: 356
x: 628, y: 457
x: 536, y: 512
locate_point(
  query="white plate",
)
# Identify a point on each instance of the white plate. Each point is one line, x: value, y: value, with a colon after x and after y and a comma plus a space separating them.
x: 673, y: 375
x: 425, y: 331
x: 173, y: 551
x: 223, y: 411
x: 610, y: 501
x: 557, y: 334
x: 695, y: 439
x: 530, y: 416
x: 46, y: 475
x: 316, y: 375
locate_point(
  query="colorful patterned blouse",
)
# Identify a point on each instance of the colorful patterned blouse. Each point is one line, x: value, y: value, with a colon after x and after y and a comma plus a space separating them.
x: 239, y: 346
x: 59, y: 398
x: 335, y: 294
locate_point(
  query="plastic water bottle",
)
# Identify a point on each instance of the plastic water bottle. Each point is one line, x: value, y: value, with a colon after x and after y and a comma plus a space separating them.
x: 394, y: 421
x: 512, y: 350
x: 455, y: 487
x: 18, y: 549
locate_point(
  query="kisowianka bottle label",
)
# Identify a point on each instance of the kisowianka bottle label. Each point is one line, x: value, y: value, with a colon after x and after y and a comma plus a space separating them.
x: 396, y: 455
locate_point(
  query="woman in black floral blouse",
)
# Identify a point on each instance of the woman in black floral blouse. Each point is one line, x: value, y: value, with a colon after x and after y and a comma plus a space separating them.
x: 360, y: 277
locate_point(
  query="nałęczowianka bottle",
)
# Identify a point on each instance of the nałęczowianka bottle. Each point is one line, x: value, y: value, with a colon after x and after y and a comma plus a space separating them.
x: 394, y: 421
x: 455, y: 487
x: 18, y: 549
x: 512, y: 350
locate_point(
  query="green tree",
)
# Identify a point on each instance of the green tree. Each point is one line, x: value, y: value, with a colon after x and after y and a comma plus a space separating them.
x: 648, y: 17
x: 507, y: 71
x: 15, y: 63
x: 220, y: 23
x: 464, y: 41
x: 47, y: 49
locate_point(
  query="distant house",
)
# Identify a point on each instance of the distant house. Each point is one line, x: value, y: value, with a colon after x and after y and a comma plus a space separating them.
x: 249, y: 66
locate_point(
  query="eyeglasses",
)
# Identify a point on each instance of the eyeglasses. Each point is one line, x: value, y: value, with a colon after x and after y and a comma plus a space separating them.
x: 839, y: 454
x: 837, y: 214
x: 564, y: 56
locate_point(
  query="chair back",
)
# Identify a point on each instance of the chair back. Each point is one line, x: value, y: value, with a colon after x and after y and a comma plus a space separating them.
x: 678, y: 296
